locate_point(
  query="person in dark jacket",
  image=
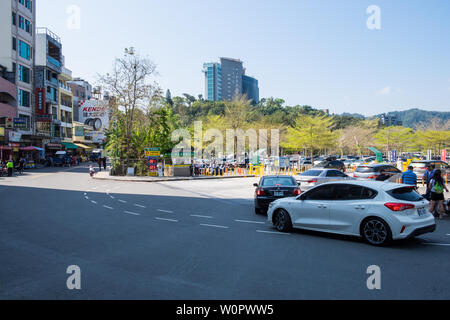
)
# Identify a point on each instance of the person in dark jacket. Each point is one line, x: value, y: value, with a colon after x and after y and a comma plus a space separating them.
x: 104, y: 163
x: 99, y: 162
x: 383, y: 176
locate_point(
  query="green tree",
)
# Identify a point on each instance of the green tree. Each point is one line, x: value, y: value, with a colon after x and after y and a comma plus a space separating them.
x: 311, y: 134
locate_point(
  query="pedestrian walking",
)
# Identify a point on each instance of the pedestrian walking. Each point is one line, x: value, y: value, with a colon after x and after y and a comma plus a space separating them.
x: 104, y: 163
x: 437, y: 187
x: 21, y: 166
x: 427, y: 176
x: 10, y: 166
x: 409, y: 177
x: 99, y: 162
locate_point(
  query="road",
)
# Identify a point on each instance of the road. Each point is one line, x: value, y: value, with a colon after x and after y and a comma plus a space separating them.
x: 189, y: 240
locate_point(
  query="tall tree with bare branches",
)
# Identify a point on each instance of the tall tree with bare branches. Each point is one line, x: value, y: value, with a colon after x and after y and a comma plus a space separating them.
x: 133, y: 88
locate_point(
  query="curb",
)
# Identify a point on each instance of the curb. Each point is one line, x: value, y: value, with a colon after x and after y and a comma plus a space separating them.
x: 175, y: 179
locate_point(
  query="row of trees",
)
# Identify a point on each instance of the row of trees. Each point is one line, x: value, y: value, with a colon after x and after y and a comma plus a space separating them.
x: 142, y: 116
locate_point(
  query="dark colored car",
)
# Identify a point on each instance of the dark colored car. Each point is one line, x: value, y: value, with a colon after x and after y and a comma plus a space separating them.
x: 372, y: 171
x: 333, y: 164
x: 272, y: 188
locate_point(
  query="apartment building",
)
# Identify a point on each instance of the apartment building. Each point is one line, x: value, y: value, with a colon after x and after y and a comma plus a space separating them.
x: 49, y: 61
x: 17, y: 58
x: 65, y: 104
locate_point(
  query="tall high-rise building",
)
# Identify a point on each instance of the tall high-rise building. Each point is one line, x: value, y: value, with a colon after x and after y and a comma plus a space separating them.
x: 227, y: 79
x: 232, y: 72
x: 17, y: 47
x: 213, y: 81
x: 250, y: 88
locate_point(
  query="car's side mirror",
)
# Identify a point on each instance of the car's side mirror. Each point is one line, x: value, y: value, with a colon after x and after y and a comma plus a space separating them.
x: 256, y: 185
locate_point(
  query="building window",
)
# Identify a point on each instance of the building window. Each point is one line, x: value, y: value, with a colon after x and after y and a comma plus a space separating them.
x: 24, y: 98
x: 14, y: 18
x: 14, y: 43
x: 24, y: 74
x: 28, y: 26
x: 21, y: 22
x: 24, y: 50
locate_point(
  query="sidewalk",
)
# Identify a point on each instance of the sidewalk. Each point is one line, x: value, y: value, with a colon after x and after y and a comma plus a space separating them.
x: 104, y: 175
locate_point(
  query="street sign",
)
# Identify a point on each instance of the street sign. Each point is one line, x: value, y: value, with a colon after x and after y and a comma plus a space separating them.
x: 152, y: 155
x: 9, y: 123
x: 394, y: 156
x: 152, y: 152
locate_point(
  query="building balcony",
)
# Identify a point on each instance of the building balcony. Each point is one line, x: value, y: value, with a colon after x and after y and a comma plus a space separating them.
x: 54, y: 64
x: 66, y: 73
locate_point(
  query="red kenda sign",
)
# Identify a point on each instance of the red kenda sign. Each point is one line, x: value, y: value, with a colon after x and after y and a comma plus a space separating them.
x: 444, y: 155
x: 40, y: 101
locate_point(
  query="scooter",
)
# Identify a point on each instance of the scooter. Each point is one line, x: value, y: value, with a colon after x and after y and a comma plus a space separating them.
x: 91, y: 171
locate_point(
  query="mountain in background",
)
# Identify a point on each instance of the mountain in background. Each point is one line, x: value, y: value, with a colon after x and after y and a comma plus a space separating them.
x: 410, y: 118
x: 413, y: 117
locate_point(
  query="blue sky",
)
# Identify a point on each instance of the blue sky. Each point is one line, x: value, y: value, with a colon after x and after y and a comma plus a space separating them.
x: 314, y: 52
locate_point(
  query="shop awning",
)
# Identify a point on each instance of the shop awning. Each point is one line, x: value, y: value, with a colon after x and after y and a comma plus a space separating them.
x: 83, y: 146
x: 6, y: 148
x: 69, y: 146
x: 31, y: 149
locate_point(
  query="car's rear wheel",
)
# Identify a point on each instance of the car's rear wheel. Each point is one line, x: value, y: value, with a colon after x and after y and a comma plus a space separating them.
x: 282, y: 221
x: 376, y: 231
x: 258, y: 211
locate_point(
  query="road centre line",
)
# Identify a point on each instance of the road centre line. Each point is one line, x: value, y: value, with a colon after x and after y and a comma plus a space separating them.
x: 245, y: 221
x: 93, y: 202
x: 437, y: 244
x: 169, y: 220
x: 132, y: 213
x: 123, y: 201
x: 108, y: 207
x: 200, y: 216
x: 164, y: 211
x: 138, y: 205
x: 272, y: 232
x: 214, y: 226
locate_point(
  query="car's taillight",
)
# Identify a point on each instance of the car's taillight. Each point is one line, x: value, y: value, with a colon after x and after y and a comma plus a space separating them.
x: 399, y: 206
x: 372, y: 177
x: 260, y: 192
x: 312, y: 181
x: 297, y: 192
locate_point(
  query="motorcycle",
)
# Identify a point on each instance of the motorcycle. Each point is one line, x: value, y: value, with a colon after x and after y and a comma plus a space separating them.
x: 91, y: 171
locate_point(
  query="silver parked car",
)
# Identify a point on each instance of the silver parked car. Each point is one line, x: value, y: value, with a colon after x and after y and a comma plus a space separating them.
x: 315, y: 177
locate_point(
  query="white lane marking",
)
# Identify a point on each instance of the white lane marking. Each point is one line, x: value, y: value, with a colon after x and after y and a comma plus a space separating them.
x: 170, y: 220
x: 108, y: 207
x: 448, y: 234
x: 245, y: 221
x: 85, y: 194
x: 272, y: 232
x: 132, y: 213
x: 138, y: 205
x: 199, y: 216
x: 112, y: 197
x: 165, y: 211
x: 87, y: 198
x: 214, y: 226
x: 93, y: 202
x: 122, y: 201
x: 437, y: 244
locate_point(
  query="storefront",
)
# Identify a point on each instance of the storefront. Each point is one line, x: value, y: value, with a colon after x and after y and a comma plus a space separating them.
x: 52, y: 148
x: 32, y: 156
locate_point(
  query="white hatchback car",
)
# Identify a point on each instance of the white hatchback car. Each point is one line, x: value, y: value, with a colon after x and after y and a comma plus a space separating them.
x: 376, y: 211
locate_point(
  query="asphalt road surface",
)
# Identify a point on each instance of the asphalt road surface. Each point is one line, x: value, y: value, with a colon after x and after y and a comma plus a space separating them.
x: 189, y: 240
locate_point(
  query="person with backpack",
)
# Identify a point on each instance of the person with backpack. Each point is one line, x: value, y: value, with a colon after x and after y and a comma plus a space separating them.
x: 428, y: 175
x: 437, y: 187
